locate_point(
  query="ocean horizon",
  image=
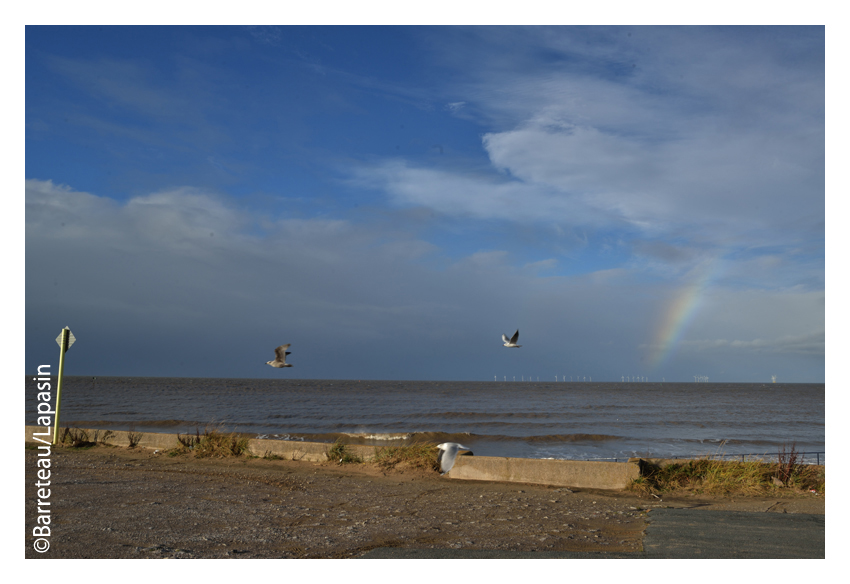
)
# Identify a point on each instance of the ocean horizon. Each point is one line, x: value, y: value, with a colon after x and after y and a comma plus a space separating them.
x: 525, y: 419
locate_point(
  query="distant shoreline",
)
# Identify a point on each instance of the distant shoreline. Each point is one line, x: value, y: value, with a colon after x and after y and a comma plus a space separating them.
x: 476, y: 381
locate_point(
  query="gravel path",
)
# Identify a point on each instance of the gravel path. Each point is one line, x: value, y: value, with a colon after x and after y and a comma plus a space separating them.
x: 109, y: 502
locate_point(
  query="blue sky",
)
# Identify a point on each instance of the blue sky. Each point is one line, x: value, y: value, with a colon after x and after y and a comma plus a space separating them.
x: 637, y: 201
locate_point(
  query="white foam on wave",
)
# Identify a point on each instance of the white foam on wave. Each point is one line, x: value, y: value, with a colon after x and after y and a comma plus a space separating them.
x: 366, y: 436
x: 282, y: 437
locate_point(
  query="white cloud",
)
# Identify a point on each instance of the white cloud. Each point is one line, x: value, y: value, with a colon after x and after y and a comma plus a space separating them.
x: 713, y: 134
x: 468, y: 195
x: 711, y: 146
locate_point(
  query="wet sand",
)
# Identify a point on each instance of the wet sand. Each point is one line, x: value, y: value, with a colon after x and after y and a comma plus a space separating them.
x: 111, y: 502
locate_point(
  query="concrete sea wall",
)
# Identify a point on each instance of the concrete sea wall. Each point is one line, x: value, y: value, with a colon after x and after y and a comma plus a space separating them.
x: 564, y: 473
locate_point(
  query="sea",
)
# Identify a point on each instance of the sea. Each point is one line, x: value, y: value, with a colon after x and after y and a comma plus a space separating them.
x: 560, y: 420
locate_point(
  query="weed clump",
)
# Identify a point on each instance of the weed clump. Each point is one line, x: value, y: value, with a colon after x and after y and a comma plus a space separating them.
x: 79, y: 438
x: 788, y: 464
x: 76, y: 438
x: 217, y: 444
x: 189, y: 441
x: 211, y: 444
x: 339, y: 452
x: 133, y: 436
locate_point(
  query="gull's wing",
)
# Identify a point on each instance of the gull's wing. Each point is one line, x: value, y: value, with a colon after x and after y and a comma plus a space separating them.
x: 505, y: 338
x: 448, y: 454
x: 281, y: 353
x: 515, y: 337
x: 447, y: 460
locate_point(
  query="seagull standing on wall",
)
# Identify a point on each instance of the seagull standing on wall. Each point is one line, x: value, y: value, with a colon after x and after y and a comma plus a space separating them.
x: 512, y: 341
x: 280, y: 357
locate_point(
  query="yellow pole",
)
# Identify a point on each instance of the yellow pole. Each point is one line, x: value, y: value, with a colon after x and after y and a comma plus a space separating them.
x: 63, y: 346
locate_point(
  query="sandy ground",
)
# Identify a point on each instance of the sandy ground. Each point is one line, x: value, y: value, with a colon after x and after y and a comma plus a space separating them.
x: 109, y: 502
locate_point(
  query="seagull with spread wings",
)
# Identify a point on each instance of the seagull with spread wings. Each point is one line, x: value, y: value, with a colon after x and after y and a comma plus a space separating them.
x: 280, y: 357
x: 512, y: 341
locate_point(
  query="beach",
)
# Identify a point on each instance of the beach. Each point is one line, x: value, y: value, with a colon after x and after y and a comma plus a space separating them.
x: 114, y: 502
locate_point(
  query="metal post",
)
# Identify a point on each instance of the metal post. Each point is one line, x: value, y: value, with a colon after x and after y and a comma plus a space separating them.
x: 65, y: 339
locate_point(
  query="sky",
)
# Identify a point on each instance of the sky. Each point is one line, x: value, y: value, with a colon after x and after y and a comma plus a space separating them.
x: 637, y: 201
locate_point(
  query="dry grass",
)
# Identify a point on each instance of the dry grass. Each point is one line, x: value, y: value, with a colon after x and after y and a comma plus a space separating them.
x: 212, y: 443
x: 218, y: 444
x: 189, y: 441
x: 788, y: 464
x: 422, y: 456
x: 133, y: 436
x: 719, y: 477
x: 79, y: 438
x: 76, y: 438
x: 339, y: 453
x: 104, y: 440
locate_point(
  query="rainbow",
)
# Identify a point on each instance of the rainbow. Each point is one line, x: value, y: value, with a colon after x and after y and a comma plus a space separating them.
x: 681, y: 312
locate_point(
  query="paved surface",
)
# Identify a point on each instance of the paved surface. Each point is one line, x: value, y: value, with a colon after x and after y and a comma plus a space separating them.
x: 684, y: 533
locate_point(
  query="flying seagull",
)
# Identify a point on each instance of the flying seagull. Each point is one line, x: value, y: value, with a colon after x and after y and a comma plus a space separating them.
x: 447, y: 455
x: 512, y: 341
x: 280, y: 357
